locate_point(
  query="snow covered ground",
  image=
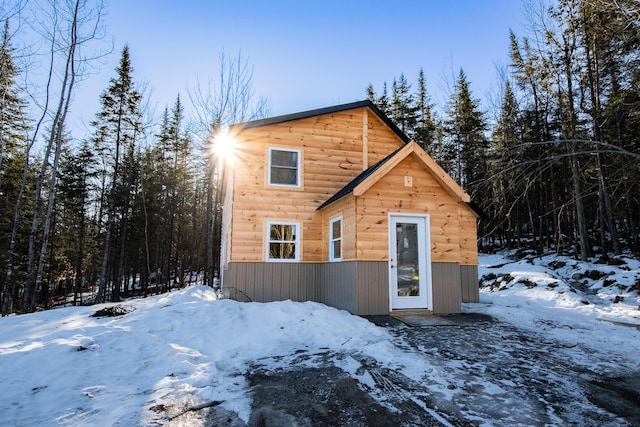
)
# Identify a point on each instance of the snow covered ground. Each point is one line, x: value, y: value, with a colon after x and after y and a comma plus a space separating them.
x: 164, y: 358
x: 565, y: 299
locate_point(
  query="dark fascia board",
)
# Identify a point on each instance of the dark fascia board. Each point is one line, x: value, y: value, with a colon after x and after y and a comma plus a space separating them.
x: 326, y: 110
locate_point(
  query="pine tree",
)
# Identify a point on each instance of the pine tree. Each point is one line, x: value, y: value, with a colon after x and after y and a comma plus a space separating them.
x: 371, y: 93
x: 13, y: 121
x: 425, y: 127
x: 117, y: 127
x: 467, y: 143
x: 404, y: 111
x: 383, y: 100
x: 13, y: 167
x: 505, y: 185
x: 76, y: 174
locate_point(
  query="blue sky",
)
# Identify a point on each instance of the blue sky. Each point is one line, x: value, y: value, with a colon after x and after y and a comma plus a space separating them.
x: 307, y: 54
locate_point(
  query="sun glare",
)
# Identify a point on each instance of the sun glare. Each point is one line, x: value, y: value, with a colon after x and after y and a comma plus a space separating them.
x: 224, y: 145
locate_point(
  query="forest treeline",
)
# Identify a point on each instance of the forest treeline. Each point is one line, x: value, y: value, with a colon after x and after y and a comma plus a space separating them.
x: 555, y: 165
x: 133, y: 206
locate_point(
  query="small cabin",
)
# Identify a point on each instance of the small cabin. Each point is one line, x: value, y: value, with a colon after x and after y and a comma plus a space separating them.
x: 338, y: 206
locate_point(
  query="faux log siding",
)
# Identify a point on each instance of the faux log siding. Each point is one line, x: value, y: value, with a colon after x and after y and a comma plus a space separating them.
x: 338, y: 285
x: 469, y: 239
x: 331, y: 148
x: 380, y: 139
x: 344, y: 207
x: 273, y: 281
x: 373, y: 287
x: 425, y: 196
x: 469, y: 283
x: 446, y: 287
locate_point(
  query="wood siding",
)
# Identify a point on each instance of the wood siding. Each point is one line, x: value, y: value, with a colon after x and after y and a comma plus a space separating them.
x: 334, y: 148
x: 469, y: 238
x: 331, y: 150
x: 344, y: 207
x: 446, y: 287
x: 469, y: 283
x: 424, y: 196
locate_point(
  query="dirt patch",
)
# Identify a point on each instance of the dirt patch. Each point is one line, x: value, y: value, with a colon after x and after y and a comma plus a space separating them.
x: 114, y: 311
x: 620, y: 395
x: 325, y: 396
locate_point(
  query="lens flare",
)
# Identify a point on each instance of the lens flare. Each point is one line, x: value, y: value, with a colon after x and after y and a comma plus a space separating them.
x: 224, y: 145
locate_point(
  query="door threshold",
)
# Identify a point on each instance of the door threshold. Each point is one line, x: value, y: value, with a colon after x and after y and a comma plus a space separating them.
x: 411, y: 312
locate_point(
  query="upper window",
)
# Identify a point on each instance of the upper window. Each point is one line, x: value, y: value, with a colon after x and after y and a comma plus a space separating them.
x: 283, y: 241
x: 284, y: 167
x: 335, y: 239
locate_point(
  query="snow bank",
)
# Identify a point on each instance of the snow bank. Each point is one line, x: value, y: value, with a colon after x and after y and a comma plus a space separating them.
x: 66, y: 367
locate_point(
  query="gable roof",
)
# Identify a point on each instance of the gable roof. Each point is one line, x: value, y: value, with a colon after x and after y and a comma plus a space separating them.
x: 327, y: 110
x: 360, y: 184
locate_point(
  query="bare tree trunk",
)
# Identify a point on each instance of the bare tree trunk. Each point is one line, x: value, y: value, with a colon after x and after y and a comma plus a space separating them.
x: 578, y: 196
x: 68, y: 83
x: 208, y: 278
x: 55, y: 137
x: 77, y: 291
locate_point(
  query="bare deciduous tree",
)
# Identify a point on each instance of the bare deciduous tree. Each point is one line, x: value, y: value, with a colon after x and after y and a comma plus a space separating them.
x: 229, y: 100
x: 67, y: 25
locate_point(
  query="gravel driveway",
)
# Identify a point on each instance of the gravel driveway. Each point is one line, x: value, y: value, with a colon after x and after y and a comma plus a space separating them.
x: 476, y: 371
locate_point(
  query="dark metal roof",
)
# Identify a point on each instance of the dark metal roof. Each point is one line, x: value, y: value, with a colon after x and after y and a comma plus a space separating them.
x: 327, y: 110
x: 357, y: 180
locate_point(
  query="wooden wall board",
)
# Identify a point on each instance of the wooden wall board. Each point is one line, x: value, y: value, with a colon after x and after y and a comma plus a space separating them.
x: 332, y: 152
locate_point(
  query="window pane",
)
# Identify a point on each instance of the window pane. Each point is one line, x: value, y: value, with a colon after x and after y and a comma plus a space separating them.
x: 336, y: 249
x: 284, y: 158
x: 284, y: 176
x: 283, y: 167
x: 282, y: 250
x: 275, y: 232
x: 282, y: 232
x: 335, y: 229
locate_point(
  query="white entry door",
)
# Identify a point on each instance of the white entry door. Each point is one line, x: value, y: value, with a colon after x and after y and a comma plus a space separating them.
x: 409, y: 262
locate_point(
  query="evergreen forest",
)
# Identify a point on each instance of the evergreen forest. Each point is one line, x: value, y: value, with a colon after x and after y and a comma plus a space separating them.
x: 134, y: 206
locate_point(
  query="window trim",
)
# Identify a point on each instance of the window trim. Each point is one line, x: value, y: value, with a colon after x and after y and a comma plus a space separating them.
x: 298, y: 167
x: 332, y: 239
x: 296, y: 242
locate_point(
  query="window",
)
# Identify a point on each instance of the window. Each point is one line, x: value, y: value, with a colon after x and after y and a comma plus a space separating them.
x: 335, y: 239
x: 284, y: 167
x: 283, y: 242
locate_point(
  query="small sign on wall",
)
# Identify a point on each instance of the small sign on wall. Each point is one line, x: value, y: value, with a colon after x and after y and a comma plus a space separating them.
x: 408, y: 181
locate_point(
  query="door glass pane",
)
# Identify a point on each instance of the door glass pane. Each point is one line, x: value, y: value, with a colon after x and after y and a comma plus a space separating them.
x: 407, y: 265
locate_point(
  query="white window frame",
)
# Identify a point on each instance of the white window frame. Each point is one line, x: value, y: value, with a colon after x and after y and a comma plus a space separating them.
x: 298, y: 167
x: 333, y: 239
x: 296, y: 242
